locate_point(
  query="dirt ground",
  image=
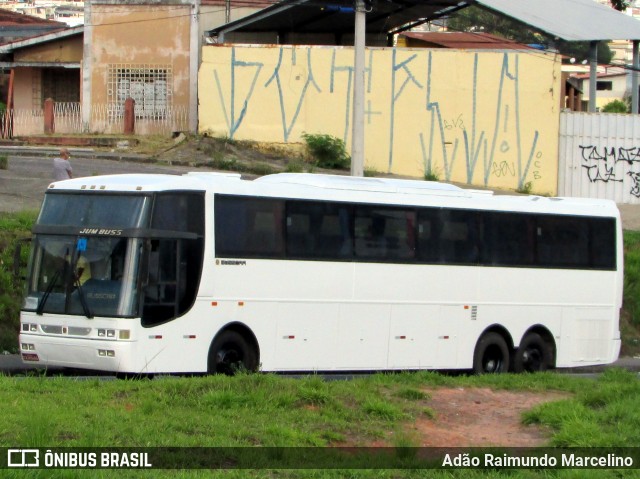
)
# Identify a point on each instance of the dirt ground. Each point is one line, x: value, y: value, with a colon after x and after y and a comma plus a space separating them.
x: 478, y: 417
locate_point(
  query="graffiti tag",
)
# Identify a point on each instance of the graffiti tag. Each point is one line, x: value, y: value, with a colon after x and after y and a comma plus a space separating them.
x: 608, y: 165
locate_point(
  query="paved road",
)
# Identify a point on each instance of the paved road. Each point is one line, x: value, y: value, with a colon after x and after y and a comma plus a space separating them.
x: 23, y: 184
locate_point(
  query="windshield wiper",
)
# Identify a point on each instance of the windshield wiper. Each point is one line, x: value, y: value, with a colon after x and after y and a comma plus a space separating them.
x: 46, y: 294
x: 83, y: 301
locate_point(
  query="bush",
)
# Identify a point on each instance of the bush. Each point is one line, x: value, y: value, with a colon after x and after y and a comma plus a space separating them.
x: 327, y: 151
x: 431, y: 175
x: 4, y: 162
x: 631, y: 298
x: 13, y: 227
x: 615, y: 106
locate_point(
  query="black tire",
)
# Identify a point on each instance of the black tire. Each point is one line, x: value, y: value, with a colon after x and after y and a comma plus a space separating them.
x: 491, y: 355
x: 230, y: 352
x: 534, y: 354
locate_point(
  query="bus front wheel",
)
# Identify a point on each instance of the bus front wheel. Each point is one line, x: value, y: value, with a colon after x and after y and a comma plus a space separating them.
x: 230, y: 352
x: 533, y: 354
x: 491, y: 355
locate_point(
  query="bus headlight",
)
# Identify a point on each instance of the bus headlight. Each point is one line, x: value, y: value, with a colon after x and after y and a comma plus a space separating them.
x: 29, y: 328
x: 114, y: 333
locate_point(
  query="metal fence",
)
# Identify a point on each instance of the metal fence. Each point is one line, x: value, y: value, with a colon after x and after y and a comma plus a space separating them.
x: 106, y: 119
x: 599, y: 156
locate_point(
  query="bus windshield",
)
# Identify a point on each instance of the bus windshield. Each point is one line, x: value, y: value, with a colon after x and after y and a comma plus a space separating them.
x: 84, y: 210
x: 83, y: 275
x: 81, y: 262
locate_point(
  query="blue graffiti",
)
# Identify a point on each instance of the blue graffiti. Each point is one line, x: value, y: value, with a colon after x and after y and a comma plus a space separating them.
x: 476, y: 143
x: 287, y: 127
x: 478, y: 148
x: 349, y: 95
x: 232, y: 122
x: 436, y: 118
x: 395, y: 95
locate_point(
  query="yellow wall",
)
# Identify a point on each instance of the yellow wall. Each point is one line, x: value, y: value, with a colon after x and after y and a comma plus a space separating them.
x: 488, y: 119
x: 117, y: 30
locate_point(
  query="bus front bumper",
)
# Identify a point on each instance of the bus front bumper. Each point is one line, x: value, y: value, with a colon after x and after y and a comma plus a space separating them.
x: 97, y: 355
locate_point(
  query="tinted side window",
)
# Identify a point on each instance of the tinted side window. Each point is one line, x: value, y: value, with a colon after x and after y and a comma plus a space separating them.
x: 385, y: 233
x: 319, y: 230
x: 182, y: 212
x: 459, y: 241
x: 508, y: 239
x: 249, y: 227
x: 563, y: 241
x: 603, y: 243
x: 428, y: 235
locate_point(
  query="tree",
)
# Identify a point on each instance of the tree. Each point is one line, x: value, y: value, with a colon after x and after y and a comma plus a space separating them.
x: 580, y: 51
x: 620, y: 5
x: 476, y: 19
x: 616, y: 106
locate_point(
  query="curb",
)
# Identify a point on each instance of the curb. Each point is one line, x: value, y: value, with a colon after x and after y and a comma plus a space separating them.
x: 77, y: 152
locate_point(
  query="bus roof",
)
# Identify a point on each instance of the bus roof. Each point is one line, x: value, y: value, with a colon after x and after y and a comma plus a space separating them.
x: 340, y: 188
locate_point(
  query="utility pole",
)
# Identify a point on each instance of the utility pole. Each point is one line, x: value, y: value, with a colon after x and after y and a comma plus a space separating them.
x: 634, y: 77
x: 593, y: 75
x: 357, y: 136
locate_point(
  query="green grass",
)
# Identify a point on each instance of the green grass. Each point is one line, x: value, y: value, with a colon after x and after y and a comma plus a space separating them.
x: 273, y: 411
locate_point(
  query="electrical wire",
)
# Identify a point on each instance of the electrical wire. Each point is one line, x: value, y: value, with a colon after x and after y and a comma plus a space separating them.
x: 243, y: 4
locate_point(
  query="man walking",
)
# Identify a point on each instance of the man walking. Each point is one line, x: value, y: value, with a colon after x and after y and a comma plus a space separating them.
x: 61, y: 167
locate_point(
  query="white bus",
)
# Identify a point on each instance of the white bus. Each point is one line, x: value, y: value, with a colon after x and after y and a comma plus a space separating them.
x: 208, y: 272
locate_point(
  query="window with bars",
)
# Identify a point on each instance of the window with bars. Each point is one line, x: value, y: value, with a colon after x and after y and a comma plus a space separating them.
x: 61, y: 85
x: 148, y: 85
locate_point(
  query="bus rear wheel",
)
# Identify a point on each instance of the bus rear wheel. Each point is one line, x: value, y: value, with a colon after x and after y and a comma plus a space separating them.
x: 230, y: 353
x: 533, y: 355
x: 491, y: 355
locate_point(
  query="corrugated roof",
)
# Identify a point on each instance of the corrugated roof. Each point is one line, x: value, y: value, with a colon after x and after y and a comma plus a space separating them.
x: 572, y: 20
x: 337, y: 17
x: 41, y: 38
x: 466, y: 40
x: 13, y: 19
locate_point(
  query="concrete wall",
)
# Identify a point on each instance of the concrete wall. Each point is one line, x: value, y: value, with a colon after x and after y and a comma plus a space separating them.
x: 64, y: 50
x: 117, y: 31
x: 23, y: 84
x: 480, y: 118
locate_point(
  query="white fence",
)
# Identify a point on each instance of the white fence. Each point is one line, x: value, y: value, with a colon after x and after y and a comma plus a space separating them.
x: 599, y: 156
x: 105, y: 119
